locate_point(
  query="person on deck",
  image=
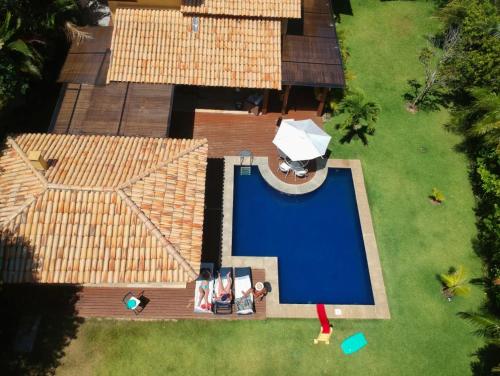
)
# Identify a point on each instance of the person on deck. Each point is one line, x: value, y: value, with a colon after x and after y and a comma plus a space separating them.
x: 260, y: 290
x: 224, y: 293
x: 204, y: 289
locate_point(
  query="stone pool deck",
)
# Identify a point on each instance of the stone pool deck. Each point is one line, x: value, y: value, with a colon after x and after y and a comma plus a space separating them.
x: 380, y: 308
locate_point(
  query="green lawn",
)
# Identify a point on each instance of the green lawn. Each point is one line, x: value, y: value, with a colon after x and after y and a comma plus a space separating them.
x: 408, y: 155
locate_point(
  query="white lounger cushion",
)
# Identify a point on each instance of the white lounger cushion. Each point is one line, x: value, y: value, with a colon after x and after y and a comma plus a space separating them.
x: 243, y: 284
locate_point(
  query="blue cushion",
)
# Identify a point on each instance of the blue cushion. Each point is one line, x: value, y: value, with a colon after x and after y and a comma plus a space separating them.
x: 131, y: 304
x: 353, y: 343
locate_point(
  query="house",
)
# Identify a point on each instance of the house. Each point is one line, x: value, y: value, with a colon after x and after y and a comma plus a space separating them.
x: 132, y: 67
x: 101, y: 210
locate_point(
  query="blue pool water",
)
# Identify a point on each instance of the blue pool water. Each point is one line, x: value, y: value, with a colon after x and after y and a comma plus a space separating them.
x: 316, y: 237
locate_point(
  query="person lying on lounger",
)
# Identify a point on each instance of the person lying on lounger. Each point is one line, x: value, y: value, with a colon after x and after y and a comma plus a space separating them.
x: 259, y: 291
x: 223, y: 293
x: 204, y: 289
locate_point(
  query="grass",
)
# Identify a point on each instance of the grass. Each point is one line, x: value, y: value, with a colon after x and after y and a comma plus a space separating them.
x: 407, y: 157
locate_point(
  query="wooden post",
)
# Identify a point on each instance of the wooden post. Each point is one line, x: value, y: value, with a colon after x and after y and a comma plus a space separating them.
x: 265, y: 102
x: 321, y: 106
x: 284, y: 108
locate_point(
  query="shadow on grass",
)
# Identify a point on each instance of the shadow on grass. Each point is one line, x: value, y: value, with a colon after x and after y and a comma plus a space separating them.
x: 37, y: 321
x: 488, y: 359
x: 340, y: 7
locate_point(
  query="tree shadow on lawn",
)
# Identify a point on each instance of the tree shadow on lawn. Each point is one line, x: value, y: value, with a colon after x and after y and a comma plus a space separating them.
x: 37, y: 321
x: 340, y: 7
x: 488, y: 358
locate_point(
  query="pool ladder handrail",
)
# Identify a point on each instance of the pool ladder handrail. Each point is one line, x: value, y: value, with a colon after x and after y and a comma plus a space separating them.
x: 246, y: 169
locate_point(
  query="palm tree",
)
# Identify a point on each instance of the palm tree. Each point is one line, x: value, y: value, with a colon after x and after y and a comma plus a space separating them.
x: 28, y: 59
x: 485, y: 116
x: 455, y: 282
x: 361, y: 117
x: 488, y: 327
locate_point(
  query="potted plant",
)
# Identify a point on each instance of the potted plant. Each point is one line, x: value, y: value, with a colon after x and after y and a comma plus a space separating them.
x: 436, y: 196
x: 455, y: 283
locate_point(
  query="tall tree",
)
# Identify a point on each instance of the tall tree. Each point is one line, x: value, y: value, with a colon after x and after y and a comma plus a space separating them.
x: 433, y: 60
x: 16, y: 56
x: 477, y: 62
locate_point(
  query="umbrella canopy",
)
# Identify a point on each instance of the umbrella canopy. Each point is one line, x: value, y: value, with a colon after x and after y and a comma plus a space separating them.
x: 301, y: 140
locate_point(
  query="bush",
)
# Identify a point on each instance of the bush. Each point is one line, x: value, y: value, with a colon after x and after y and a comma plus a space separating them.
x: 437, y: 196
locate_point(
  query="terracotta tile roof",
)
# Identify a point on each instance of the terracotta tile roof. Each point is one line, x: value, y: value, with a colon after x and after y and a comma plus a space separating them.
x: 159, y: 46
x: 108, y: 210
x: 248, y: 8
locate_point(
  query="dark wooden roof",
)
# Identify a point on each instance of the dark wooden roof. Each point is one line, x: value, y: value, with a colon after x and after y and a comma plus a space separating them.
x: 319, y: 25
x: 316, y: 6
x: 311, y: 61
x: 120, y: 108
x: 88, y: 62
x: 313, y: 58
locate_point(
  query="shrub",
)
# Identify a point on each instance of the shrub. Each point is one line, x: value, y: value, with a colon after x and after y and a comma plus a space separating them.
x: 437, y: 196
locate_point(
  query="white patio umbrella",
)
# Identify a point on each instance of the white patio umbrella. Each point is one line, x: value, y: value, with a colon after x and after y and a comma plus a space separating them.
x: 301, y: 140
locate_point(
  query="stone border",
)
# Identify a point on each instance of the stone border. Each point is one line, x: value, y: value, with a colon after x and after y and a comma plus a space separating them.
x: 292, y: 189
x: 380, y: 310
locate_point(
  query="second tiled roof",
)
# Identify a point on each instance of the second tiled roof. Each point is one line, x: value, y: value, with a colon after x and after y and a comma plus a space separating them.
x: 248, y: 8
x: 161, y: 46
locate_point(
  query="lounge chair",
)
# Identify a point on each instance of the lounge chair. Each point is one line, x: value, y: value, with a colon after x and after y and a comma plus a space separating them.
x: 210, y: 268
x: 242, y: 283
x: 222, y: 307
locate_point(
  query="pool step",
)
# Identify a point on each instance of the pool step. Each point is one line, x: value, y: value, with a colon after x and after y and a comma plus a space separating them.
x: 245, y: 170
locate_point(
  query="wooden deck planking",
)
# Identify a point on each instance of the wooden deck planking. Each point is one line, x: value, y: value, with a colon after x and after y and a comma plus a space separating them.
x: 98, y: 110
x: 88, y: 61
x: 228, y: 134
x: 100, y: 40
x: 165, y: 303
x: 147, y: 110
x: 120, y: 108
x: 83, y: 68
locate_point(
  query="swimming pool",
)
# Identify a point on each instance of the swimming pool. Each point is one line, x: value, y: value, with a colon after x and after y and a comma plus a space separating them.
x: 316, y: 236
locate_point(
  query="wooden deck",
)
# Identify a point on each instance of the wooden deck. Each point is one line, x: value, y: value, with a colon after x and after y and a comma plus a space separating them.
x: 229, y: 134
x: 164, y: 303
x: 120, y: 108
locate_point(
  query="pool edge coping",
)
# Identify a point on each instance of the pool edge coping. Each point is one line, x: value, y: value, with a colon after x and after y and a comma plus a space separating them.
x: 380, y: 308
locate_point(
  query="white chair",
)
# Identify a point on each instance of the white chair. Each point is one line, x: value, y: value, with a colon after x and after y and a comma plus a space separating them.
x: 301, y: 173
x: 284, y: 167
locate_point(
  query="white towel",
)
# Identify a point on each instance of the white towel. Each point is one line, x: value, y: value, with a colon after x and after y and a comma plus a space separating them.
x: 241, y: 285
